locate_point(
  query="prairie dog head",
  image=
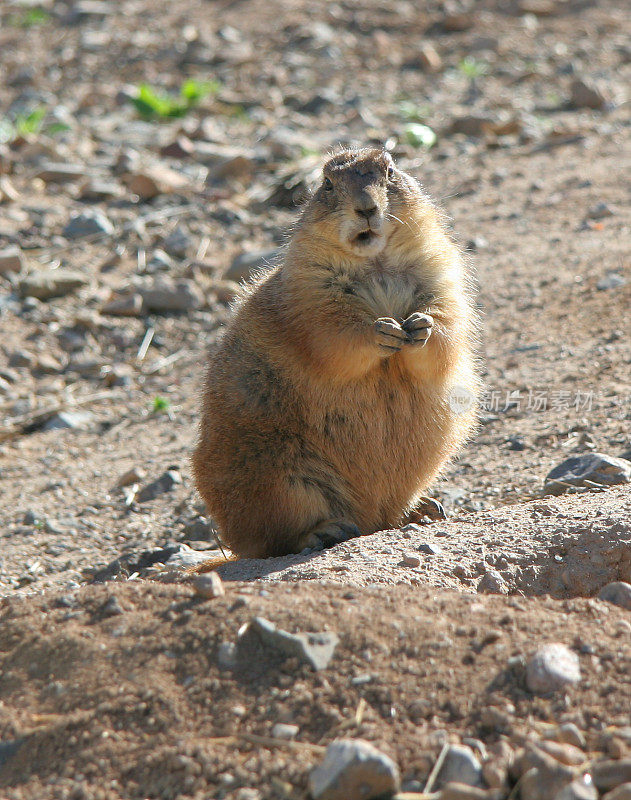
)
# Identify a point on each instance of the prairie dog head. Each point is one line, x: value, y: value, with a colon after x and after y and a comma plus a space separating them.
x: 360, y: 201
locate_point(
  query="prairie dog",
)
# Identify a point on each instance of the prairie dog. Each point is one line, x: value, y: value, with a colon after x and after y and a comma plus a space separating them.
x: 326, y: 410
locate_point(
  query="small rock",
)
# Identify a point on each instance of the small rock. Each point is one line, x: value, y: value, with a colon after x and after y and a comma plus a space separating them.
x: 247, y: 264
x: 164, y: 483
x: 283, y: 730
x: 601, y: 211
x: 52, y: 172
x: 568, y: 733
x: 471, y: 125
x: 47, y: 284
x: 126, y: 305
x: 21, y: 358
x: 492, y: 583
x: 11, y: 259
x: 112, y: 607
x: 542, y: 777
x: 69, y: 420
x: 181, y: 147
x: 495, y: 773
x: 611, y: 774
x: 622, y: 792
x: 178, y: 243
x: 462, y: 791
x: 585, y: 96
x: 352, y: 768
x: 159, y: 262
x: 208, y: 586
x: 612, y: 280
x: 552, y: 667
x: 156, y: 180
x: 186, y: 558
x: 459, y: 765
x: 587, y: 470
x: 227, y: 655
x: 457, y: 23
x: 410, y: 560
x: 96, y: 189
x: 88, y: 223
x: 565, y: 753
x: 130, y: 477
x: 618, y: 593
x: 428, y: 58
x: 165, y: 295
x: 582, y: 788
x: 240, y: 167
x: 429, y: 548
x: 315, y: 649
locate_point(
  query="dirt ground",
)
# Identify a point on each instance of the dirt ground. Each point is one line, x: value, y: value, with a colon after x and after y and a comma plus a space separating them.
x: 531, y: 168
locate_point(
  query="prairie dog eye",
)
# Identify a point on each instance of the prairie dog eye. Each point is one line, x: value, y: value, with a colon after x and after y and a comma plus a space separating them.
x: 390, y: 172
x: 328, y: 184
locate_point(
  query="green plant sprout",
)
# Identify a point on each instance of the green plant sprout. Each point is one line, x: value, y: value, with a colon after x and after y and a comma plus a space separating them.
x: 150, y: 103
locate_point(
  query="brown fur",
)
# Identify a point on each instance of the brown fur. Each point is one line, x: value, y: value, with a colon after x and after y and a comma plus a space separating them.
x: 308, y: 422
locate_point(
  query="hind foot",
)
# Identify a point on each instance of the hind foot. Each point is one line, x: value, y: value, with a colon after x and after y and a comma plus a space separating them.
x: 426, y: 507
x: 328, y: 534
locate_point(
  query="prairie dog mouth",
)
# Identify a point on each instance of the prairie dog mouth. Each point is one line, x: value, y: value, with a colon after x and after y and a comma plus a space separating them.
x: 365, y: 237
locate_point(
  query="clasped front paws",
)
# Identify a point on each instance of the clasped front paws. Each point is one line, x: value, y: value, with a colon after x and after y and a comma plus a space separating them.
x: 392, y: 336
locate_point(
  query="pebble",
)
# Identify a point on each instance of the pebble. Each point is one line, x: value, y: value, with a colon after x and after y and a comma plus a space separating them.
x: 130, y: 477
x: 11, y: 259
x: 178, y: 243
x: 610, y: 774
x: 430, y: 549
x: 53, y: 172
x: 586, y: 470
x: 315, y: 649
x: 542, y: 777
x: 167, y: 481
x: 462, y: 791
x: 461, y: 765
x: 612, y: 280
x: 352, y: 768
x: 125, y: 305
x: 618, y: 593
x: 209, y: 586
x: 112, y: 607
x: 471, y: 125
x: 570, y: 734
x: 246, y: 264
x: 165, y: 295
x: 283, y: 730
x: 181, y: 147
x: 552, y: 667
x: 565, y: 753
x: 601, y: 211
x: 622, y: 792
x: 88, y: 223
x: 492, y: 583
x: 69, y: 420
x: 46, y: 284
x: 410, y: 560
x: 154, y: 181
x: 580, y: 789
x: 226, y: 655
x: 585, y: 96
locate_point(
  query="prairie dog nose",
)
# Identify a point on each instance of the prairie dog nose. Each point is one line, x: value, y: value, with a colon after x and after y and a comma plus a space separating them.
x: 366, y: 211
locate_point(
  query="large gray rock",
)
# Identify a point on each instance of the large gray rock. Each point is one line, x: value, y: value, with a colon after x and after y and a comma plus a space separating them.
x: 51, y: 283
x: 353, y: 770
x: 460, y: 765
x: 589, y: 471
x: 552, y: 667
x: 315, y: 649
x: 543, y: 777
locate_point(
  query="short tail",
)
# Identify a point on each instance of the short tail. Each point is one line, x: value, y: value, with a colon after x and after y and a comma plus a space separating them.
x: 210, y: 565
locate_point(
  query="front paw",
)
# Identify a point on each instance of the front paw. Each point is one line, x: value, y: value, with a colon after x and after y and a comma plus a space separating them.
x: 418, y: 328
x: 389, y: 335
